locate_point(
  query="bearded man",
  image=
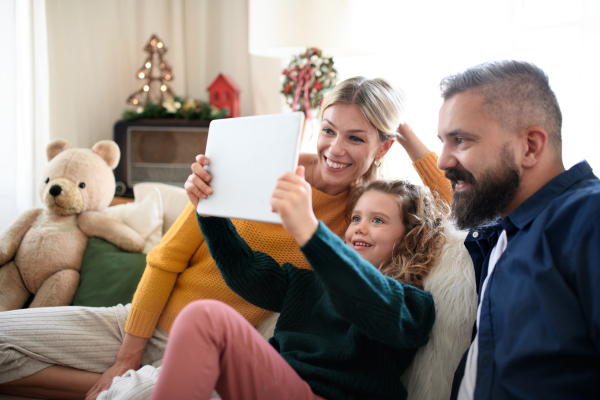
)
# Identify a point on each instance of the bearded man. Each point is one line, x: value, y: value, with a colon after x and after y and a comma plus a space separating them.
x: 534, y: 237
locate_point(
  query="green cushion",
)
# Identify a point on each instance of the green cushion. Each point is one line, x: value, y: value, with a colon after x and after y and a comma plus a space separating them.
x: 109, y: 275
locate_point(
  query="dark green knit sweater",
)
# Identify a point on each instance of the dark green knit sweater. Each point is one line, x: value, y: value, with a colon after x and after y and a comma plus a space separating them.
x: 346, y: 329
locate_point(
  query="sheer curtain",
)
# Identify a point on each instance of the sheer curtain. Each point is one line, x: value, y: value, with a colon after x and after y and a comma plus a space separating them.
x: 418, y: 43
x: 74, y: 64
x: 96, y: 48
x: 24, y: 105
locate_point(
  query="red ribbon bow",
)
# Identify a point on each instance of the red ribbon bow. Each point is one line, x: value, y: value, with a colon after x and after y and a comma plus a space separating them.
x: 302, y: 77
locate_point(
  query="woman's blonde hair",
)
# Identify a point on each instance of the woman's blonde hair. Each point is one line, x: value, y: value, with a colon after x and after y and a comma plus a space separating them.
x: 424, y: 217
x: 378, y: 101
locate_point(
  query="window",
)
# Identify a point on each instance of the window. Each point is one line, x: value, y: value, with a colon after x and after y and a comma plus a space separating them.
x: 422, y: 44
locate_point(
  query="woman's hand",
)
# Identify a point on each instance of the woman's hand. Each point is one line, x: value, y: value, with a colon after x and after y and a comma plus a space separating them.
x: 129, y: 357
x: 293, y: 201
x: 415, y: 148
x: 196, y: 186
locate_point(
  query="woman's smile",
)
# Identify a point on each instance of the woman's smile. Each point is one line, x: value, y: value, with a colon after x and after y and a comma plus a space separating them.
x: 335, y: 165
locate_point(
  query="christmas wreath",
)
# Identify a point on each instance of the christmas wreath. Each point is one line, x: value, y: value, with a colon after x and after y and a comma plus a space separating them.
x: 307, y: 79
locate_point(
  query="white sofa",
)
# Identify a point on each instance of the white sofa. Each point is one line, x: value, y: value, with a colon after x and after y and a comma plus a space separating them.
x: 451, y: 282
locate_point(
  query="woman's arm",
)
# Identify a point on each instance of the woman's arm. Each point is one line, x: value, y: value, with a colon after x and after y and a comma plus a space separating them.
x: 129, y: 357
x: 163, y: 265
x: 253, y: 275
x: 425, y: 163
x: 414, y: 147
x: 386, y: 310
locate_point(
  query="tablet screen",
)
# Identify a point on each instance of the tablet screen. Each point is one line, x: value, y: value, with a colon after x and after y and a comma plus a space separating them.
x: 247, y: 155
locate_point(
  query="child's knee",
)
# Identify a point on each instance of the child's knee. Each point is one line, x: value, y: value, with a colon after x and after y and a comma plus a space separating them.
x: 205, y: 315
x: 206, y: 308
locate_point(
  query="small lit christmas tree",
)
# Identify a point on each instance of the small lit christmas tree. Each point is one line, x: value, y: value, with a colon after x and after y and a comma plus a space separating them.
x: 156, y: 73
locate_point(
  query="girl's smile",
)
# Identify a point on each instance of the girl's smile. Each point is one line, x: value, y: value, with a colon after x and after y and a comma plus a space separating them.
x: 376, y: 226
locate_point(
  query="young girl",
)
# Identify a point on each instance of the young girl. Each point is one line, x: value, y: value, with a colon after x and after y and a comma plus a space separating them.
x: 348, y: 329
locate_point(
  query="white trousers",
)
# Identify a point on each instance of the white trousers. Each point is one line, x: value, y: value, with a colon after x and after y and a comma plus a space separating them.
x: 85, y: 338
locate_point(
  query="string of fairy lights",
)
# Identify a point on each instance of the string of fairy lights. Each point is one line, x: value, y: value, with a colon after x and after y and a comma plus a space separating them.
x: 156, y: 72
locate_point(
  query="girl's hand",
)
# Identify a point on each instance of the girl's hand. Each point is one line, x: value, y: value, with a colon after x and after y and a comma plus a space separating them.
x: 293, y: 201
x: 196, y: 186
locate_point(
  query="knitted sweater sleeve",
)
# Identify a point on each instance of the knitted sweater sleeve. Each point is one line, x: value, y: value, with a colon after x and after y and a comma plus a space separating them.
x: 253, y: 275
x: 433, y: 177
x: 384, y: 309
x: 163, y: 265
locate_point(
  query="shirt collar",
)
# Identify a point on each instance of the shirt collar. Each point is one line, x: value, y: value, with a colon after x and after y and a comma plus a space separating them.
x: 484, y: 232
x: 536, y: 203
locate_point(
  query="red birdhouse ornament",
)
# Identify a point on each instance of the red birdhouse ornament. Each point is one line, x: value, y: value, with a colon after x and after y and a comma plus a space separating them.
x: 224, y: 93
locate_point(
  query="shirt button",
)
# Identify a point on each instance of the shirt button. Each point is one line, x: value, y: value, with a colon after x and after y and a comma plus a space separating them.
x: 475, y: 235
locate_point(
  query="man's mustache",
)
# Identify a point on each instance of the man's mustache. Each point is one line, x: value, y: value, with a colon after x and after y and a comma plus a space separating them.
x: 455, y: 175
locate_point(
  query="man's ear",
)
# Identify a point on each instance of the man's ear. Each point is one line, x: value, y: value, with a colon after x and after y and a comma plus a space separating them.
x: 536, y: 139
x: 386, y: 147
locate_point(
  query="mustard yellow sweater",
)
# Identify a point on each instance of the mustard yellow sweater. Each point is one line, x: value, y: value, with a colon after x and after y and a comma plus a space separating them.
x: 180, y: 269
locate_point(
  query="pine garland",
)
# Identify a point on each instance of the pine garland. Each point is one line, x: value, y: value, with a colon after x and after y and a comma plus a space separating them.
x: 177, y: 108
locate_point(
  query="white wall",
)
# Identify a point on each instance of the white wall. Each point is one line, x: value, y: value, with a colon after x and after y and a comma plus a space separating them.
x: 96, y: 47
x: 419, y: 43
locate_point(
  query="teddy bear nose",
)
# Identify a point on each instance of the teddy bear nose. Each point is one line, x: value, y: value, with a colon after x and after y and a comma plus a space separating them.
x: 55, y: 190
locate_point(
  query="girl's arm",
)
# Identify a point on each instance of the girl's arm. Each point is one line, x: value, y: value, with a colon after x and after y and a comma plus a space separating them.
x: 253, y: 275
x: 386, y: 310
x: 425, y: 163
x: 245, y: 273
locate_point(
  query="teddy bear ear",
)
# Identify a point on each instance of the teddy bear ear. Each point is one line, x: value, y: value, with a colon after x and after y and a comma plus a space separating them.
x: 55, y: 147
x: 109, y: 151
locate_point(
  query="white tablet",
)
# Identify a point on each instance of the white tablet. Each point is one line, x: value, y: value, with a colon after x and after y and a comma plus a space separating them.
x: 247, y: 155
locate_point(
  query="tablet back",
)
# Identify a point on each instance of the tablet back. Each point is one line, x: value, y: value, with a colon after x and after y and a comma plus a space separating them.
x: 247, y: 155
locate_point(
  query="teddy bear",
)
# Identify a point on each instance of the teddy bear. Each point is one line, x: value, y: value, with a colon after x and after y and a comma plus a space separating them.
x: 42, y: 250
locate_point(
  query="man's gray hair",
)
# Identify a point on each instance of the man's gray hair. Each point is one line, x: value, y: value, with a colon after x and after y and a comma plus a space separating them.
x: 516, y: 93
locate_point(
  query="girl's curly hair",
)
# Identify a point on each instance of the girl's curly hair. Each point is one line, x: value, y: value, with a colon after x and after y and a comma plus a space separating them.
x: 424, y: 217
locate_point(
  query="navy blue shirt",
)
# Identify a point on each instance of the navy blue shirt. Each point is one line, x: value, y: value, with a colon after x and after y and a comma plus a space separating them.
x: 539, y: 333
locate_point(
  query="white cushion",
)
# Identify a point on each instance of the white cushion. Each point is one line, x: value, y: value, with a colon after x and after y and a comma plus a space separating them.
x: 452, y: 284
x: 145, y: 216
x: 267, y: 327
x: 174, y: 200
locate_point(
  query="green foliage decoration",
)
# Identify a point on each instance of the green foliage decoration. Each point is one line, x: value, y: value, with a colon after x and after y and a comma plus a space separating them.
x: 177, y: 108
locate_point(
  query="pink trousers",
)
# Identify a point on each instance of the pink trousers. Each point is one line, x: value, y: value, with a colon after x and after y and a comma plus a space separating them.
x: 211, y: 346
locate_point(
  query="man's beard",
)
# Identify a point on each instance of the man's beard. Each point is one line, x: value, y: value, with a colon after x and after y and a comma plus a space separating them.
x: 487, y: 197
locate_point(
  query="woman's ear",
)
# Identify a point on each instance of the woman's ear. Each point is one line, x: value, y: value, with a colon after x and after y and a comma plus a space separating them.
x: 384, y: 149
